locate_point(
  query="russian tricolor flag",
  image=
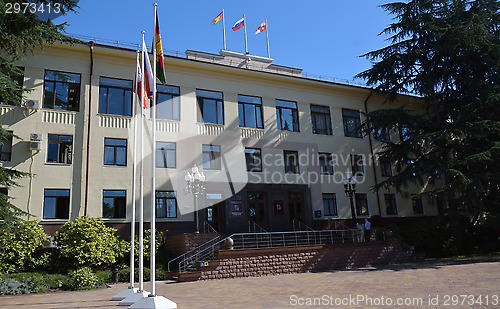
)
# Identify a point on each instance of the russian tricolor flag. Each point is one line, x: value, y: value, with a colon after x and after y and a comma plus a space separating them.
x: 239, y: 24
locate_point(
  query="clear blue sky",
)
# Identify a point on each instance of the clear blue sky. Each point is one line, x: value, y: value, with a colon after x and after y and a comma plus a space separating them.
x: 322, y: 37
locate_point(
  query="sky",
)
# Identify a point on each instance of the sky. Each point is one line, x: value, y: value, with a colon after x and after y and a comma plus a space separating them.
x: 322, y: 37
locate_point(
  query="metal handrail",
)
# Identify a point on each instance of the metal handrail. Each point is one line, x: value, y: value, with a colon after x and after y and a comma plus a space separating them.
x: 301, y: 224
x: 193, y: 250
x: 208, y: 228
x: 255, y: 226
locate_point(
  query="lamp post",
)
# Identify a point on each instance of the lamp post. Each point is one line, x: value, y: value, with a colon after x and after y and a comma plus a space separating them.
x: 350, y: 191
x: 194, y: 181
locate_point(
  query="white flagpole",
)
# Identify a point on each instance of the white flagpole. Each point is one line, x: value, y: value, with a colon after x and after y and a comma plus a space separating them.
x: 224, y: 28
x: 153, y: 171
x: 267, y: 39
x: 141, y: 180
x: 246, y: 41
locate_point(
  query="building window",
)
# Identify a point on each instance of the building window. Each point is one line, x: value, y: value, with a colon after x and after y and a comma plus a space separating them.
x: 291, y: 161
x: 114, y: 204
x: 18, y: 79
x: 56, y: 204
x: 115, y: 151
x: 385, y: 167
x: 61, y: 91
x: 405, y: 133
x: 361, y: 204
x: 390, y: 204
x: 59, y: 149
x: 382, y: 135
x: 166, y: 204
x: 115, y: 96
x: 253, y: 157
x: 321, y: 120
x: 250, y: 112
x: 6, y: 147
x: 287, y: 116
x: 211, y: 157
x: 211, y: 106
x: 330, y: 204
x: 165, y: 155
x: 357, y: 165
x: 352, y: 123
x: 418, y: 205
x: 167, y: 102
x: 325, y: 163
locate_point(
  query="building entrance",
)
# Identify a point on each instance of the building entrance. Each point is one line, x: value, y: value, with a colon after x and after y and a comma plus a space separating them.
x: 257, y: 213
x: 296, y: 206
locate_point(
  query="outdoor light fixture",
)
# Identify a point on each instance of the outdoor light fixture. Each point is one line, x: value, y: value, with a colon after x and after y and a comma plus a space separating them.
x: 195, y: 181
x: 350, y: 191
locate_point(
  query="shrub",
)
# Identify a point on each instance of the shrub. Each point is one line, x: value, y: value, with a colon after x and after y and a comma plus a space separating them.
x: 83, y: 278
x: 124, y: 274
x: 17, y: 246
x: 88, y: 242
x: 159, y: 241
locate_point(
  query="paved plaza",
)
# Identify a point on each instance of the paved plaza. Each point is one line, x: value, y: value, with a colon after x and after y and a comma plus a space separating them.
x: 444, y: 283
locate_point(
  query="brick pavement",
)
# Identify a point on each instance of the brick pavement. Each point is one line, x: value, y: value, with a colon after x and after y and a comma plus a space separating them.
x: 413, y: 283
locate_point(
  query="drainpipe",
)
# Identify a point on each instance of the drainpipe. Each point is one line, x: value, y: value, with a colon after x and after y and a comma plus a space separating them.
x: 373, y: 157
x: 87, y: 167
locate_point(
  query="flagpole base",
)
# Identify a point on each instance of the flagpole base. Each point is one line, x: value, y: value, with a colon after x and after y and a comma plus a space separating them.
x: 124, y: 294
x: 153, y: 302
x: 132, y: 299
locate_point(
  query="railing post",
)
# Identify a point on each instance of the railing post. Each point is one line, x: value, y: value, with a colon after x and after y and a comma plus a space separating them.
x: 331, y: 236
x: 343, y: 240
x: 283, y: 234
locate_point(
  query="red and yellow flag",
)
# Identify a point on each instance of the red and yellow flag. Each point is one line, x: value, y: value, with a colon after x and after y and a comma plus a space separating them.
x: 160, y: 62
x: 218, y: 18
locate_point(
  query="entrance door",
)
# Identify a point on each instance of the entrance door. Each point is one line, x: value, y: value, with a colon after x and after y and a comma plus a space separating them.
x: 216, y: 217
x: 256, y: 202
x: 296, y: 206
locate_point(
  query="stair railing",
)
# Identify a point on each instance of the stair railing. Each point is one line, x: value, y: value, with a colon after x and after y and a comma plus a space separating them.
x: 199, y: 247
x: 208, y: 228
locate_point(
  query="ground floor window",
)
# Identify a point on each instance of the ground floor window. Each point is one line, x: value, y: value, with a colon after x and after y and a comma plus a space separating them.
x: 390, y: 204
x: 56, y: 204
x: 330, y: 204
x: 418, y: 206
x: 114, y: 204
x: 166, y: 204
x: 362, y: 204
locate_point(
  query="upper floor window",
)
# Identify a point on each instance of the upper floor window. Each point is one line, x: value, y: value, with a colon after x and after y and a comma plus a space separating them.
x: 382, y: 135
x: 405, y: 133
x: 56, y: 204
x: 287, y: 116
x: 211, y: 155
x: 166, y: 204
x: 330, y: 204
x: 418, y: 205
x: 325, y: 163
x: 18, y: 79
x: 59, y: 149
x: 253, y: 157
x: 165, y: 155
x: 291, y: 161
x: 115, y: 96
x: 357, y: 165
x: 385, y: 167
x: 362, y: 204
x: 6, y: 147
x: 167, y: 102
x: 321, y: 120
x: 250, y: 112
x: 352, y: 123
x: 211, y: 106
x: 61, y: 90
x: 390, y: 204
x: 115, y: 151
x: 114, y: 204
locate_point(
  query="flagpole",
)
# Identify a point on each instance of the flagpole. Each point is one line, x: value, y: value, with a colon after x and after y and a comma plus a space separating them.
x: 224, y: 28
x: 267, y: 39
x: 246, y: 41
x: 141, y: 181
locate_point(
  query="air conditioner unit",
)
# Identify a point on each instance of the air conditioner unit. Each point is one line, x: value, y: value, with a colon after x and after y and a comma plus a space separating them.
x: 33, y: 104
x: 36, y: 137
x: 35, y: 145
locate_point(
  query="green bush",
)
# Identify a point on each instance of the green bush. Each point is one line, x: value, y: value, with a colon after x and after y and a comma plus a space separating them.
x: 83, y: 278
x: 124, y: 274
x: 88, y: 242
x: 24, y: 283
x: 17, y: 246
x: 159, y: 241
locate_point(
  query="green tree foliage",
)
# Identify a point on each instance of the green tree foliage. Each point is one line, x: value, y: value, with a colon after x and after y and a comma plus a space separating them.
x: 447, y: 52
x: 159, y: 241
x: 88, y: 242
x: 18, y: 245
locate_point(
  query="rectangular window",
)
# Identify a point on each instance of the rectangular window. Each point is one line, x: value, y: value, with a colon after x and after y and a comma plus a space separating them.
x: 390, y: 204
x: 211, y: 157
x: 253, y: 158
x: 418, y: 205
x: 59, y: 148
x: 330, y: 204
x: 357, y: 165
x: 210, y: 106
x: 291, y: 161
x: 382, y: 135
x: 385, y: 167
x: 361, y: 204
x: 167, y: 102
x: 166, y: 204
x: 325, y: 163
x: 250, y: 112
x: 287, y: 116
x: 352, y: 123
x: 115, y: 96
x: 165, y: 155
x: 115, y: 151
x: 14, y: 96
x: 405, y: 133
x: 321, y: 120
x: 6, y: 147
x: 61, y: 90
x: 114, y: 204
x: 56, y: 204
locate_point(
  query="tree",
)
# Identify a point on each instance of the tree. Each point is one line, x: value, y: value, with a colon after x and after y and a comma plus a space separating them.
x: 21, y: 34
x: 446, y: 52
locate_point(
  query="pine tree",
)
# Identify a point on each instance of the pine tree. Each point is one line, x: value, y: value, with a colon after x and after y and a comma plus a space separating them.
x: 21, y: 34
x: 447, y: 52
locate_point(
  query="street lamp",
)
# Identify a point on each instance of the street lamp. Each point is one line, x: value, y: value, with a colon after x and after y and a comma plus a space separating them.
x: 194, y: 181
x: 350, y: 191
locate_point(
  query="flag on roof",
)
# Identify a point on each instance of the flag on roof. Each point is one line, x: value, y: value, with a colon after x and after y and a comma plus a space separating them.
x: 217, y: 19
x: 239, y: 24
x: 160, y: 62
x: 261, y: 28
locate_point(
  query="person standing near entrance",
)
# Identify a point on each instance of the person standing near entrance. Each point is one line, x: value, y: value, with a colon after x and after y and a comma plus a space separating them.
x: 368, y: 229
x: 360, y: 229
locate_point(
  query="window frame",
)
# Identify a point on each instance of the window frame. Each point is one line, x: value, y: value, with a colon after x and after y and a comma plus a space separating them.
x: 358, y: 169
x: 252, y: 156
x: 415, y: 206
x: 175, y: 96
x: 58, y: 199
x: 121, y: 200
x: 327, y: 118
x: 333, y: 199
x: 361, y: 197
x: 60, y: 151
x: 124, y: 95
x: 391, y: 204
x: 295, y: 115
x: 115, y: 147
x: 167, y: 152
x: 324, y: 167
x: 7, y: 145
x: 213, y: 157
x: 385, y: 167
x: 75, y: 86
x: 166, y: 200
x: 242, y: 116
x: 200, y: 100
x: 348, y: 115
x: 291, y: 169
